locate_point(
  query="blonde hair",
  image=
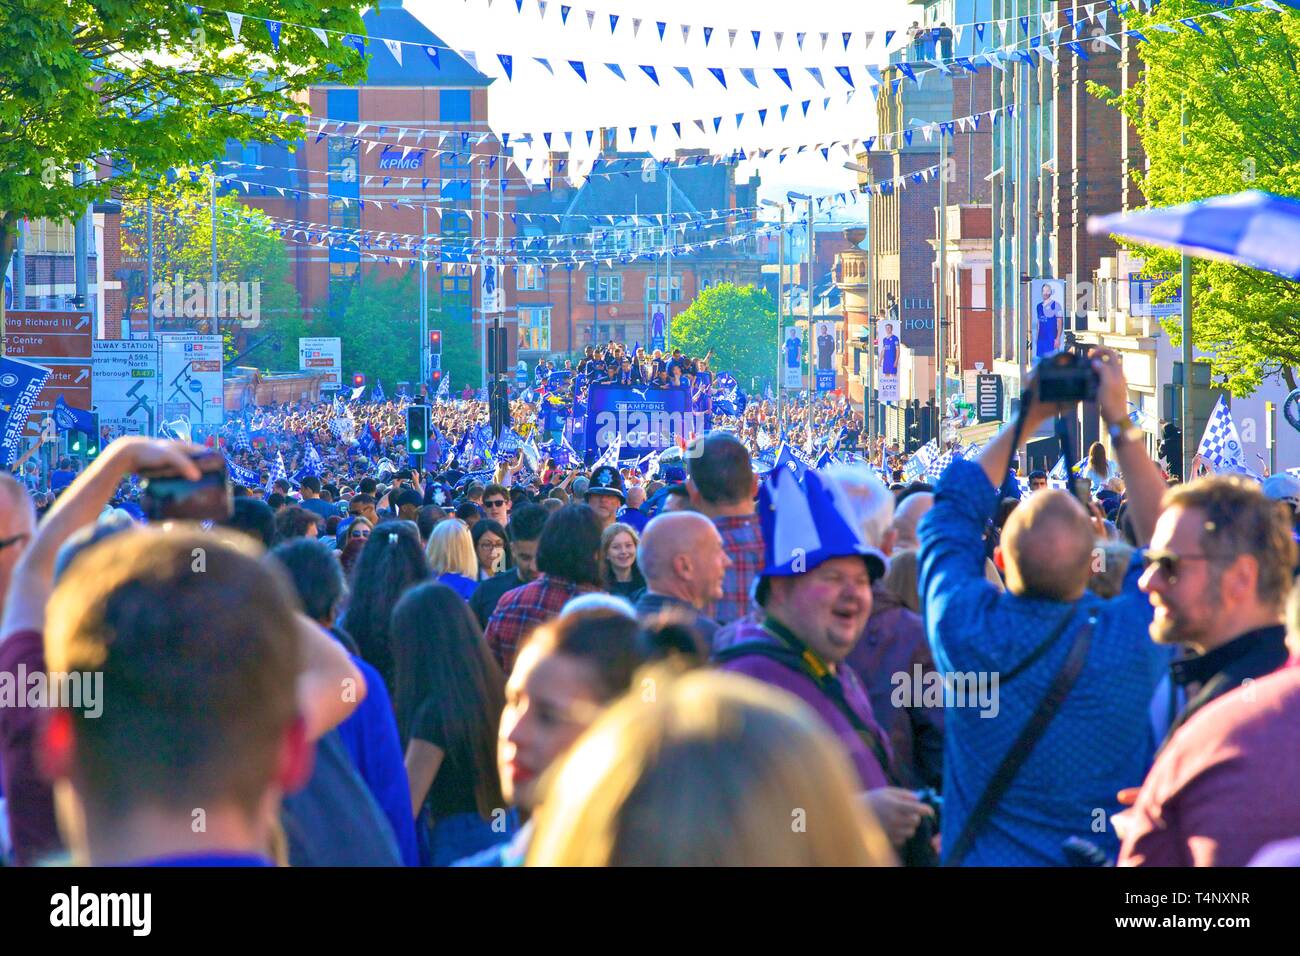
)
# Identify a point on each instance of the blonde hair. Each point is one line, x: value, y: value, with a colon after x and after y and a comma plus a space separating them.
x: 747, y: 774
x: 451, y: 549
x: 609, y: 534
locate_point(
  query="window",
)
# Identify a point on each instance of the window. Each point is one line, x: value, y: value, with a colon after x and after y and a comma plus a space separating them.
x: 979, y: 288
x: 612, y: 239
x: 455, y: 224
x: 342, y: 160
x: 343, y: 279
x: 604, y: 288
x: 530, y: 278
x: 454, y: 106
x: 653, y: 283
x: 534, y: 329
x: 650, y: 239
x: 345, y: 215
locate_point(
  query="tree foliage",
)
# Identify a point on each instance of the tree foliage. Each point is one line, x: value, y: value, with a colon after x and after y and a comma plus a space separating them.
x: 133, y: 87
x: 1237, y: 87
x: 249, y: 253
x: 738, y: 323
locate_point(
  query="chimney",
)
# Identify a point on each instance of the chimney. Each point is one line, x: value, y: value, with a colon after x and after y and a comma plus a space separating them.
x: 558, y: 165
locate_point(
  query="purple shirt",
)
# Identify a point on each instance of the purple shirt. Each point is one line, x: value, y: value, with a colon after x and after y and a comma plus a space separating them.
x: 859, y: 752
x: 1224, y: 785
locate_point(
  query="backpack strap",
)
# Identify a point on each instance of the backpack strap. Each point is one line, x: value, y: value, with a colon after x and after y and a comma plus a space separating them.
x: 1024, y: 743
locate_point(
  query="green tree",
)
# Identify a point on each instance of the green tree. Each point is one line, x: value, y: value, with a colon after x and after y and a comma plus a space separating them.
x: 1237, y: 88
x: 738, y: 323
x: 250, y: 256
x: 129, y: 88
x: 462, y: 356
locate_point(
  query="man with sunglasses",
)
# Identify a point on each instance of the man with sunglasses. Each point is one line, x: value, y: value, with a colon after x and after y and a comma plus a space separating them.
x: 1047, y: 632
x: 1217, y: 575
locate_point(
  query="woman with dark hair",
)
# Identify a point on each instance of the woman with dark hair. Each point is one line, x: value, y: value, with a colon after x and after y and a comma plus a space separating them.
x: 569, y: 670
x: 568, y: 557
x: 489, y: 547
x: 391, y: 562
x: 350, y: 539
x: 448, y: 701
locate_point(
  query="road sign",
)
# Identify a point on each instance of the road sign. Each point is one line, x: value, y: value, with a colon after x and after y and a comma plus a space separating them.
x: 127, y: 385
x: 192, y: 375
x: 323, y: 354
x: 38, y: 336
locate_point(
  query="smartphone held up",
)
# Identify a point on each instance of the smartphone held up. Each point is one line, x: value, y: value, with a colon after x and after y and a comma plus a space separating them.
x: 167, y: 496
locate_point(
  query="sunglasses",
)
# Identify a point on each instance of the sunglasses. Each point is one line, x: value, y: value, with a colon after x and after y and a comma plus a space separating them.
x: 359, y: 533
x: 499, y: 503
x: 1169, y: 563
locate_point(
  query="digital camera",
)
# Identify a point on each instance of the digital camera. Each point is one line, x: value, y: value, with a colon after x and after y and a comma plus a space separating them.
x: 1067, y: 377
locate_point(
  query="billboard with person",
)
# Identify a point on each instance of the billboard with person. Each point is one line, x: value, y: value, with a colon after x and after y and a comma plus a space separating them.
x: 889, y: 349
x: 1047, y: 308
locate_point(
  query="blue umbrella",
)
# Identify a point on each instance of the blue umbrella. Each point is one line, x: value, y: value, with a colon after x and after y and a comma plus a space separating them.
x: 1254, y: 228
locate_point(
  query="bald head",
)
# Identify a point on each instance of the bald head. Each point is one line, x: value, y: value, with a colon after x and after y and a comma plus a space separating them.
x: 681, y: 555
x: 1046, y: 547
x: 908, y: 514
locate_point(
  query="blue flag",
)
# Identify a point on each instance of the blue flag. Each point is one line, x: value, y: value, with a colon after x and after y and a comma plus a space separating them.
x: 67, y: 418
x: 20, y: 383
x: 241, y: 475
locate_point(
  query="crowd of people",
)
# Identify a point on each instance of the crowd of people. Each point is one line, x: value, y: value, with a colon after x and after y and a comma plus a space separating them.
x: 480, y: 659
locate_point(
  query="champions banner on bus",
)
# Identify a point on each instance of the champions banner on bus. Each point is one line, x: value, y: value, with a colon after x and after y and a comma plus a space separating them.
x: 642, y: 420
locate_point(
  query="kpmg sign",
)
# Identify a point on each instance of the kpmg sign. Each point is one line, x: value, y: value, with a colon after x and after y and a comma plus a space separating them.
x: 394, y: 159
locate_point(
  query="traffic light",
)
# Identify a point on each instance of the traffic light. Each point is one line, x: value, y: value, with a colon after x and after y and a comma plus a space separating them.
x: 435, y: 341
x: 358, y: 380
x: 435, y: 378
x: 92, y: 437
x: 417, y: 429
x: 76, y: 443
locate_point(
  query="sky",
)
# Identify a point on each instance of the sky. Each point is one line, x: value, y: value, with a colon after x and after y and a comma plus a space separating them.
x: 535, y: 100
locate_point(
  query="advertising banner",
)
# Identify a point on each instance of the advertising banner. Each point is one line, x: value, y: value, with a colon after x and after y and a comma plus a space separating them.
x: 641, y: 420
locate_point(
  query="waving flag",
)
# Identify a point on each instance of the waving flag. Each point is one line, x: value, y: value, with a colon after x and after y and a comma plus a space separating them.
x: 377, y: 393
x: 242, y: 441
x: 67, y: 418
x: 278, y: 473
x: 1220, y: 446
x: 1058, y: 471
x: 311, y: 463
x: 241, y: 475
x: 609, y: 457
x: 444, y: 390
x: 728, y: 399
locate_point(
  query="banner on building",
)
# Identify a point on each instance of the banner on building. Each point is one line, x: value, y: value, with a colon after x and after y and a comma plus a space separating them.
x: 639, y: 420
x: 989, y: 396
x: 824, y: 350
x: 323, y: 354
x: 192, y: 378
x: 659, y: 319
x: 126, y: 386
x: 889, y: 349
x: 792, y: 352
x: 1047, y: 306
x: 1140, y: 289
x: 493, y: 297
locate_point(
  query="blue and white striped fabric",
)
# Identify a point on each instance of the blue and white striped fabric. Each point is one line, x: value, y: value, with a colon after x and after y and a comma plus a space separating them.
x: 1252, y: 228
x: 311, y: 463
x: 278, y: 472
x: 1220, y: 446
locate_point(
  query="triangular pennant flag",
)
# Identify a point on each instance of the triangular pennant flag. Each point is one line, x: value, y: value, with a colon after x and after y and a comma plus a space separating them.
x: 785, y: 107
x: 236, y: 24
x: 762, y: 117
x: 825, y: 37
x: 708, y: 35
x: 748, y: 74
x: 650, y: 72
x: 613, y: 21
x: 845, y: 75
x: 636, y: 27
x: 731, y: 37
x: 783, y: 75
x: 847, y: 37
x: 507, y: 63
x: 321, y: 35
x: 717, y: 123
x: 805, y: 104
x: 677, y: 128
x: 686, y: 34
x: 591, y: 18
x: 779, y: 35
x: 816, y: 75
x: 889, y: 37
x: 686, y: 75
x: 273, y: 28
x: 616, y: 70
x: 395, y: 49
x: 546, y: 63
x: 756, y: 34
x: 718, y: 75
x: 579, y: 68
x: 799, y: 39
x: 432, y: 53
x: 564, y: 15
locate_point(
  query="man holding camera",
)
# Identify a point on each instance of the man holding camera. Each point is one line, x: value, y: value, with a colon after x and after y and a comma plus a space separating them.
x: 1074, y: 672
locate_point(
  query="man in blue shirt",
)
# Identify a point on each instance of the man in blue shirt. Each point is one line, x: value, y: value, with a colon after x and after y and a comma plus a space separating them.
x: 889, y: 346
x: 1100, y: 740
